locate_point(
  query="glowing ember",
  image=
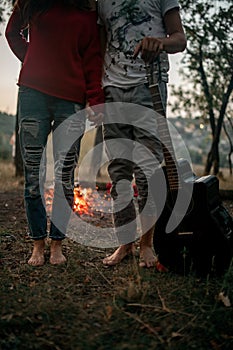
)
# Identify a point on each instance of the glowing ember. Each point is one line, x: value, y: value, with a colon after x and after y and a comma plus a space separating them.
x: 81, y: 205
x: 49, y: 199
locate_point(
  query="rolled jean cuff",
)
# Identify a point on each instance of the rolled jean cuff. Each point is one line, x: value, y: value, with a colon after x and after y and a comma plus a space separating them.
x: 57, y: 238
x: 57, y: 234
x: 37, y: 237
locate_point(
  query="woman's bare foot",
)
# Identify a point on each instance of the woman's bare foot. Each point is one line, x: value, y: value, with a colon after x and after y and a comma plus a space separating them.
x: 119, y: 254
x: 37, y: 258
x: 56, y: 256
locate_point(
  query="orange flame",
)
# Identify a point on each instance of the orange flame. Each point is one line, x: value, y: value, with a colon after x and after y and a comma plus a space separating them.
x: 81, y: 205
x: 86, y: 201
x: 49, y: 199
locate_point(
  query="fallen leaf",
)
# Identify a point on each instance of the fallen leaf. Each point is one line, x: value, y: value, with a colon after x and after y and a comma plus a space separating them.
x: 32, y: 284
x: 108, y: 312
x: 176, y: 335
x: 160, y: 267
x: 87, y: 279
x: 225, y: 299
x: 7, y: 317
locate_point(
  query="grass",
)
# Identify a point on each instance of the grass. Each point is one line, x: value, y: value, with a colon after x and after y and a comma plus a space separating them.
x: 84, y: 305
x: 8, y: 181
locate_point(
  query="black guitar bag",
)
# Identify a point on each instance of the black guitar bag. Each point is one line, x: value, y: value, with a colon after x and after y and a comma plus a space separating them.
x: 202, y: 242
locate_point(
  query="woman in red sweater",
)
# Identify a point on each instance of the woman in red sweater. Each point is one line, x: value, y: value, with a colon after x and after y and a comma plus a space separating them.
x: 61, y: 72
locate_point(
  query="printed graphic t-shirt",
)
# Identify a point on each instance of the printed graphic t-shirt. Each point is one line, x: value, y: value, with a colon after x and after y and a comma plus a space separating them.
x: 127, y: 22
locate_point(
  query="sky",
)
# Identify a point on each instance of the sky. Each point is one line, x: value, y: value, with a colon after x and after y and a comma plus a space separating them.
x: 9, y: 70
x: 10, y: 67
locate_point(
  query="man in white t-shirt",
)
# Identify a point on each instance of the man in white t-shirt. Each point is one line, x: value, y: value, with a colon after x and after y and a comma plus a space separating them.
x: 134, y: 32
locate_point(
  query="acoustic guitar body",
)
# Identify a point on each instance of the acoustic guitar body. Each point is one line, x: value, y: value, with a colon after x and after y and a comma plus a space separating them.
x: 202, y: 241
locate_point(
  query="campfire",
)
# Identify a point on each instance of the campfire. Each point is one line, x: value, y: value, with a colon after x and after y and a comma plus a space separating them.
x: 86, y: 201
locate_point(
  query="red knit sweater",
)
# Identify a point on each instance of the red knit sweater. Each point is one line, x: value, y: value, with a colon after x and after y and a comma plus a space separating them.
x: 62, y: 57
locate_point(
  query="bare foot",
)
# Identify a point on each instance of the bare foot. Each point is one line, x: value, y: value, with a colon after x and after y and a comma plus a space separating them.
x: 147, y: 257
x: 56, y: 256
x: 37, y: 258
x: 119, y: 254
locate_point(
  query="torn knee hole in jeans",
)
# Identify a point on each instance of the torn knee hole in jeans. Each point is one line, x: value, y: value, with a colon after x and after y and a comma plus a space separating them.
x: 64, y: 167
x: 30, y: 126
x: 33, y: 154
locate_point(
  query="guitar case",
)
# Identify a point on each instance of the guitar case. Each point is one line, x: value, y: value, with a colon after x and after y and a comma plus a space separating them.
x: 202, y: 238
x: 202, y: 242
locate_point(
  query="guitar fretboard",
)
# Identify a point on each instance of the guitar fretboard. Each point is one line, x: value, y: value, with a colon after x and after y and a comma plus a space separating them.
x: 164, y: 134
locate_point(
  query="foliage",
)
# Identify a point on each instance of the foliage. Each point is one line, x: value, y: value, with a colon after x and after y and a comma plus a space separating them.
x: 207, y: 66
x: 209, y: 52
x: 7, y: 124
x: 196, y: 136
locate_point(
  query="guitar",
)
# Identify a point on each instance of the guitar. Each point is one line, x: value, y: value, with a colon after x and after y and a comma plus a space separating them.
x: 194, y: 231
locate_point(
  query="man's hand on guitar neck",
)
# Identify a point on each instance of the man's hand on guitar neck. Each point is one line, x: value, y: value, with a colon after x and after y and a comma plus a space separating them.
x: 150, y: 49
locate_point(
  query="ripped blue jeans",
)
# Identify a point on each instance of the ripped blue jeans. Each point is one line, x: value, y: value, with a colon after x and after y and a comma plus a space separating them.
x: 40, y: 114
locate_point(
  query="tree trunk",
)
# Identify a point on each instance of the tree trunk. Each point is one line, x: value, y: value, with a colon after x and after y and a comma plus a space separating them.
x: 213, y: 155
x: 213, y: 158
x: 230, y: 144
x: 209, y: 162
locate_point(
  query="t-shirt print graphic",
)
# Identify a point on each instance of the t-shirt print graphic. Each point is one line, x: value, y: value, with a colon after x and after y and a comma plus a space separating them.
x: 125, y: 17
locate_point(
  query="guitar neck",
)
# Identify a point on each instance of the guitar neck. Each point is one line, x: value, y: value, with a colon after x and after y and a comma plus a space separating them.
x: 165, y: 138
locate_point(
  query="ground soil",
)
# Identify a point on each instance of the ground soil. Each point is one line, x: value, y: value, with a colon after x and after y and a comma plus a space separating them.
x: 84, y: 305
